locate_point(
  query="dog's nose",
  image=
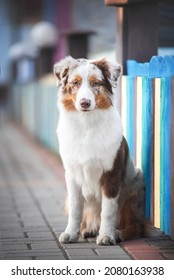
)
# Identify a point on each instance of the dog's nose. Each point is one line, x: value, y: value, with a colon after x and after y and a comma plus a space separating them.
x: 85, y: 103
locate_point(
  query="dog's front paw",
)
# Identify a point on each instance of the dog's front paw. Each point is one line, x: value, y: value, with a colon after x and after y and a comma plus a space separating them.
x: 68, y: 238
x: 104, y: 239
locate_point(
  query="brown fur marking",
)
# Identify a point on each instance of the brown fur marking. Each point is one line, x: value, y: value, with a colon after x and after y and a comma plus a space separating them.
x: 111, y: 181
x: 104, y: 68
x: 65, y: 72
x: 76, y: 82
x: 96, y: 83
x: 68, y: 101
x: 103, y: 101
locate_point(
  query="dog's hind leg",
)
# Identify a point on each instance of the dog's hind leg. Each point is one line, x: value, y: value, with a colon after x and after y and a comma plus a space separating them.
x: 91, y: 219
x: 131, y: 225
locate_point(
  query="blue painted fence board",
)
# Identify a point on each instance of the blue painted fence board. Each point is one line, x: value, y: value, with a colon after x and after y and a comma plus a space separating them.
x: 146, y: 137
x: 157, y: 67
x: 167, y: 167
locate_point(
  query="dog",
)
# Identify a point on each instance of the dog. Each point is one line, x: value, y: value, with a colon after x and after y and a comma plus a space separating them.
x: 106, y: 193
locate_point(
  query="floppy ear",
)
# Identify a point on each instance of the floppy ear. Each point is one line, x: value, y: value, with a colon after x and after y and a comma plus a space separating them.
x: 115, y: 70
x: 111, y: 70
x: 62, y: 68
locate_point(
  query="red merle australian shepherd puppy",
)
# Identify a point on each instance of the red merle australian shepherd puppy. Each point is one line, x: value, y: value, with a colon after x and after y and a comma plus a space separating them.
x: 105, y: 190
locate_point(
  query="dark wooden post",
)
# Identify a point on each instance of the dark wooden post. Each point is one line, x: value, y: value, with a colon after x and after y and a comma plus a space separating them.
x: 77, y: 42
x: 137, y: 29
x: 44, y: 61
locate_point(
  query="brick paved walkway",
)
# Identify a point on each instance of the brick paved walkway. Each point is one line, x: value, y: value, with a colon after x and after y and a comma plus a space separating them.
x: 32, y: 194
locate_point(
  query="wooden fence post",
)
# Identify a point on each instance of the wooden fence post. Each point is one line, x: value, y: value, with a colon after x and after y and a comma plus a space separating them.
x: 137, y: 30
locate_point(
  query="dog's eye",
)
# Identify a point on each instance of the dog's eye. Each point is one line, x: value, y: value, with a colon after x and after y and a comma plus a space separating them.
x: 96, y: 83
x: 76, y: 83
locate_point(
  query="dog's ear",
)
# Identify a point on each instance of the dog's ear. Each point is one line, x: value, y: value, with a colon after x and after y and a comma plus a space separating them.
x: 111, y: 70
x: 115, y: 70
x: 62, y: 68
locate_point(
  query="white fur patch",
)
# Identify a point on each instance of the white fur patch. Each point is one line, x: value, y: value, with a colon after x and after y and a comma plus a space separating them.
x: 88, y: 137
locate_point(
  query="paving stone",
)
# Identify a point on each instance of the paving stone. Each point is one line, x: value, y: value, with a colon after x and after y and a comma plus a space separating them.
x: 50, y: 257
x: 81, y: 245
x: 17, y: 240
x: 80, y: 253
x: 147, y: 256
x: 14, y: 247
x: 96, y: 257
x: 162, y: 243
x: 11, y: 234
x: 40, y: 234
x: 169, y: 255
x: 10, y: 225
x: 33, y: 254
x: 44, y: 245
x: 12, y: 257
x: 36, y: 228
x: 114, y: 250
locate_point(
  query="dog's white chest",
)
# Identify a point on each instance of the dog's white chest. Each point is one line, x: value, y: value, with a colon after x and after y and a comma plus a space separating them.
x: 88, y: 146
x: 96, y: 135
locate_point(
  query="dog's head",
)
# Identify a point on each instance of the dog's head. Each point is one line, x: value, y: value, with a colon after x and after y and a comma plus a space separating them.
x: 86, y: 85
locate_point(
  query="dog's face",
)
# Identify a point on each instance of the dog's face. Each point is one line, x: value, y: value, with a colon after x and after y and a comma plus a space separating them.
x: 86, y: 85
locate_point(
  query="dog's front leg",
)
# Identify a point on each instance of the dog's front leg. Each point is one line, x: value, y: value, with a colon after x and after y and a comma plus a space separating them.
x: 75, y: 207
x: 108, y: 221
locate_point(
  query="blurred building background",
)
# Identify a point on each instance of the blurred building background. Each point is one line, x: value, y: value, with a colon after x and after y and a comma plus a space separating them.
x: 70, y: 19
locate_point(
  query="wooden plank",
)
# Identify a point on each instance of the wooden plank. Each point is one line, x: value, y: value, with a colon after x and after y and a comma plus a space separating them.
x: 124, y: 105
x: 157, y: 153
x: 146, y: 128
x: 127, y: 111
x: 135, y: 119
x: 167, y: 155
x: 162, y: 150
x: 152, y: 153
x: 172, y: 162
x: 138, y: 96
x: 130, y: 114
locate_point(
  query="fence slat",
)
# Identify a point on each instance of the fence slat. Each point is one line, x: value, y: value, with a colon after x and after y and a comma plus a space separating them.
x: 138, y: 148
x: 167, y: 149
x: 162, y: 143
x: 146, y: 128
x: 172, y: 161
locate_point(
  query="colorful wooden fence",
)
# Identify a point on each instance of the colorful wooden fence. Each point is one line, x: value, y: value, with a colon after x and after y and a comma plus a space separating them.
x: 147, y: 104
x: 35, y: 106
